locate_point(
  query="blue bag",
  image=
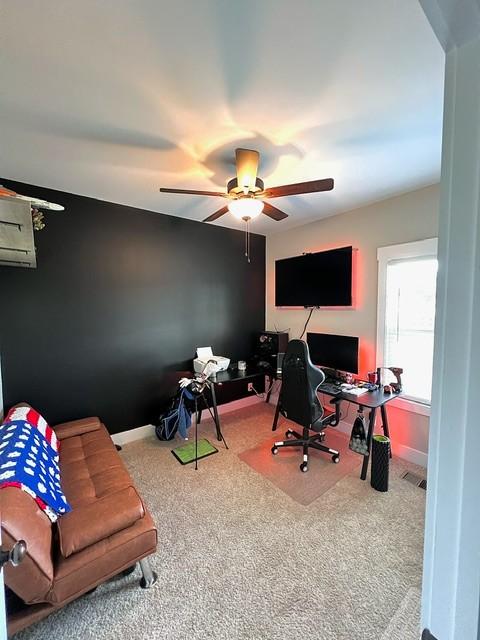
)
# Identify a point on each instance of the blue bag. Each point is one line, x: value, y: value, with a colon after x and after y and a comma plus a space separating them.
x: 177, y: 418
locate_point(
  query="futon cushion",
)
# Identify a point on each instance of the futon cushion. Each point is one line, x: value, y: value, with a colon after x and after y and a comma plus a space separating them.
x: 76, y: 427
x: 90, y: 523
x: 30, y: 415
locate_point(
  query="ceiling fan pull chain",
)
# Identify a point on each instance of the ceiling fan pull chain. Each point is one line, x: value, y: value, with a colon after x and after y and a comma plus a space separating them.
x: 247, y: 238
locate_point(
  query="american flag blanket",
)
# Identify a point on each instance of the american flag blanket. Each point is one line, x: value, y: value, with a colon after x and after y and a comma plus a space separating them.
x: 28, y: 461
x: 28, y: 414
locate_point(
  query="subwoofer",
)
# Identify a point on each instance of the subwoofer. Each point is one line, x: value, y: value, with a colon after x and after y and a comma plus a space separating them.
x: 268, y: 344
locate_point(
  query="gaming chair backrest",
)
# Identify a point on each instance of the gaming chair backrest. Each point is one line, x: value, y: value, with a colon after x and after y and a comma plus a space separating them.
x: 300, y: 380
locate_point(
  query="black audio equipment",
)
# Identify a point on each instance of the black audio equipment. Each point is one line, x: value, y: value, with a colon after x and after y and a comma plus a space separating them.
x: 268, y: 345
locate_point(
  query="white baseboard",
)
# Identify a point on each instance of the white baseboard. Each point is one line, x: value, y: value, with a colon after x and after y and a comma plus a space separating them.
x: 233, y: 406
x: 131, y: 435
x: 402, y: 451
x: 411, y: 455
x: 148, y: 430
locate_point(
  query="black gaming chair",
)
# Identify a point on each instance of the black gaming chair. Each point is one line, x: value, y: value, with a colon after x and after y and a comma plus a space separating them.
x: 298, y: 402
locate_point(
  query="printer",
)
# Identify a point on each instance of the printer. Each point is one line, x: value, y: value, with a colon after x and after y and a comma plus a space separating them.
x: 204, y: 355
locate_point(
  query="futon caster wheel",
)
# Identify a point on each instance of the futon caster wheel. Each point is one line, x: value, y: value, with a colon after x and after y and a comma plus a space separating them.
x: 336, y: 458
x: 288, y: 433
x: 146, y: 585
x: 304, y: 467
x: 127, y: 572
x: 274, y: 450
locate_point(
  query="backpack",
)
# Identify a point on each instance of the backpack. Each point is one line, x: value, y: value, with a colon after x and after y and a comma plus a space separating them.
x: 177, y: 418
x: 358, y: 439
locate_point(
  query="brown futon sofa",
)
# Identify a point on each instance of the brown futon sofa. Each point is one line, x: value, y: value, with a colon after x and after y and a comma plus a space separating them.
x: 108, y: 530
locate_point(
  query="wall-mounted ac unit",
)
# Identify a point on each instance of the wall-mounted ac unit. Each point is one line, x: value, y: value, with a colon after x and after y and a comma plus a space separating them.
x: 17, y: 248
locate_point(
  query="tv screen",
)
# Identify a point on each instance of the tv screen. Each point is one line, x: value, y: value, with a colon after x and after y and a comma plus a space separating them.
x: 334, y: 352
x: 321, y: 279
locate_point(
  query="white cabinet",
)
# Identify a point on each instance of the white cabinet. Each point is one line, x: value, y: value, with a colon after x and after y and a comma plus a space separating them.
x: 17, y: 247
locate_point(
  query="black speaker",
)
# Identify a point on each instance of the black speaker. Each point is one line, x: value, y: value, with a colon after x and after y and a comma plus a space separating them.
x: 268, y: 344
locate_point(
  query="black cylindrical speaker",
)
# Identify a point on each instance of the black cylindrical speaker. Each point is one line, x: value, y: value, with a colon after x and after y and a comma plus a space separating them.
x: 380, y: 463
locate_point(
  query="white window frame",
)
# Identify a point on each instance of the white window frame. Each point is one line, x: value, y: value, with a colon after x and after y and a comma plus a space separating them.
x: 418, y: 249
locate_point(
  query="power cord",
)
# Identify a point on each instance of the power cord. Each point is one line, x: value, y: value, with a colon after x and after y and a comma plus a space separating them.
x: 263, y: 394
x: 280, y: 330
x: 306, y: 323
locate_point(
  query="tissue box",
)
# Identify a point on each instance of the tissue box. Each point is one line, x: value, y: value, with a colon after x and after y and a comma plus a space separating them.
x: 204, y: 354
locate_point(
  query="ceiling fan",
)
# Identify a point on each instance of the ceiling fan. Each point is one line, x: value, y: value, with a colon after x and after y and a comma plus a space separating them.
x: 247, y: 194
x: 34, y: 202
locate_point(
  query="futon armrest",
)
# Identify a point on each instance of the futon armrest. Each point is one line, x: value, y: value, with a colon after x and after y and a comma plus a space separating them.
x: 76, y: 427
x: 90, y: 523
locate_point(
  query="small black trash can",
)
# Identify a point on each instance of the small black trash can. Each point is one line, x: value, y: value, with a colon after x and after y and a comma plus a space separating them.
x: 380, y: 463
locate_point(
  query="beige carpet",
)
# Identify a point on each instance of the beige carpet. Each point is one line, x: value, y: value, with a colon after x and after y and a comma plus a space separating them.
x: 239, y: 559
x: 406, y: 622
x: 284, y: 472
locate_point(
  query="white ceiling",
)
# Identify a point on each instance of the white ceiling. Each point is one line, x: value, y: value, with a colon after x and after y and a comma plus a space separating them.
x: 115, y: 98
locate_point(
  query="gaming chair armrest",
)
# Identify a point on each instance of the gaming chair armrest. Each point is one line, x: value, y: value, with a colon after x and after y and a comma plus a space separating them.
x: 334, y: 418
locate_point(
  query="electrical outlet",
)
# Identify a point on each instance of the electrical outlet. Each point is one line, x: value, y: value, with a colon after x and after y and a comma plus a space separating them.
x: 250, y: 386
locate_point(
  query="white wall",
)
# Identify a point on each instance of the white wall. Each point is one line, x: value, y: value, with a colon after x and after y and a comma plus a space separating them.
x: 409, y: 217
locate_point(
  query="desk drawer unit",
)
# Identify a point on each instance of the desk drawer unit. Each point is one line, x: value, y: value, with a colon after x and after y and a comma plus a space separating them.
x: 237, y: 389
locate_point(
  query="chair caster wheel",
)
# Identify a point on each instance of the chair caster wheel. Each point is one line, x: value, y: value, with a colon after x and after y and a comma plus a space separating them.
x: 288, y: 433
x: 336, y: 458
x: 274, y: 450
x: 304, y: 467
x: 322, y: 437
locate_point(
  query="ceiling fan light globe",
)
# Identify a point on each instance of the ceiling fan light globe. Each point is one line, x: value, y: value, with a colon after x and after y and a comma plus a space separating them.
x: 245, y: 208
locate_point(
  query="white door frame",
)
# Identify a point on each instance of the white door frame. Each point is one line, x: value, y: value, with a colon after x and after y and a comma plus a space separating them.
x: 451, y: 580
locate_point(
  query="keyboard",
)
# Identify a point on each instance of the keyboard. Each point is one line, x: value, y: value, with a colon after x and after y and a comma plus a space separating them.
x: 330, y: 387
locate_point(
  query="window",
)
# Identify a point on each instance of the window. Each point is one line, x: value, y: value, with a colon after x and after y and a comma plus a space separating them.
x: 407, y: 275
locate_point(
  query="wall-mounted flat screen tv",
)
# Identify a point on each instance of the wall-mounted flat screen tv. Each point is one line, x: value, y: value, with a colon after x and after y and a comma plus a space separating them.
x: 322, y: 279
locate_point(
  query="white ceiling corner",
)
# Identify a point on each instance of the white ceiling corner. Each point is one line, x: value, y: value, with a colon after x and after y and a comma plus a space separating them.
x: 455, y: 22
x: 114, y: 99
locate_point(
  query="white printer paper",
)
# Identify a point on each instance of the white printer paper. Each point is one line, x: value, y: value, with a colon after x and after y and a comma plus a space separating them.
x: 204, y: 353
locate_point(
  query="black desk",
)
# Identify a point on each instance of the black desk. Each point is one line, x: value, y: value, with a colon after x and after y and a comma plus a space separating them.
x: 372, y: 400
x: 232, y: 374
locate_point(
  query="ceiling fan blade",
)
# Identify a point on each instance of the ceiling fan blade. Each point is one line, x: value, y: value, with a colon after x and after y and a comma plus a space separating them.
x: 6, y: 193
x: 299, y: 188
x: 246, y: 161
x: 274, y: 213
x: 216, y: 215
x: 193, y: 192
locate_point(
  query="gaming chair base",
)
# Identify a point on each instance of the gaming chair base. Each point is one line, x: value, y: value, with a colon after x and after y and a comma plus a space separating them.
x: 306, y: 441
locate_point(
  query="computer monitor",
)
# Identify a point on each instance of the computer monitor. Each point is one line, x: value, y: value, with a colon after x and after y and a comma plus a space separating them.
x: 334, y: 352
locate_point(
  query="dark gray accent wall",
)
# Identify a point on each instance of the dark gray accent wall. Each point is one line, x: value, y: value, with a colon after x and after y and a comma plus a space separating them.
x: 121, y: 296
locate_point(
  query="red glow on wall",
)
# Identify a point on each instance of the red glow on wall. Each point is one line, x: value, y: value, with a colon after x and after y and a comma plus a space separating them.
x: 366, y: 357
x: 402, y: 425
